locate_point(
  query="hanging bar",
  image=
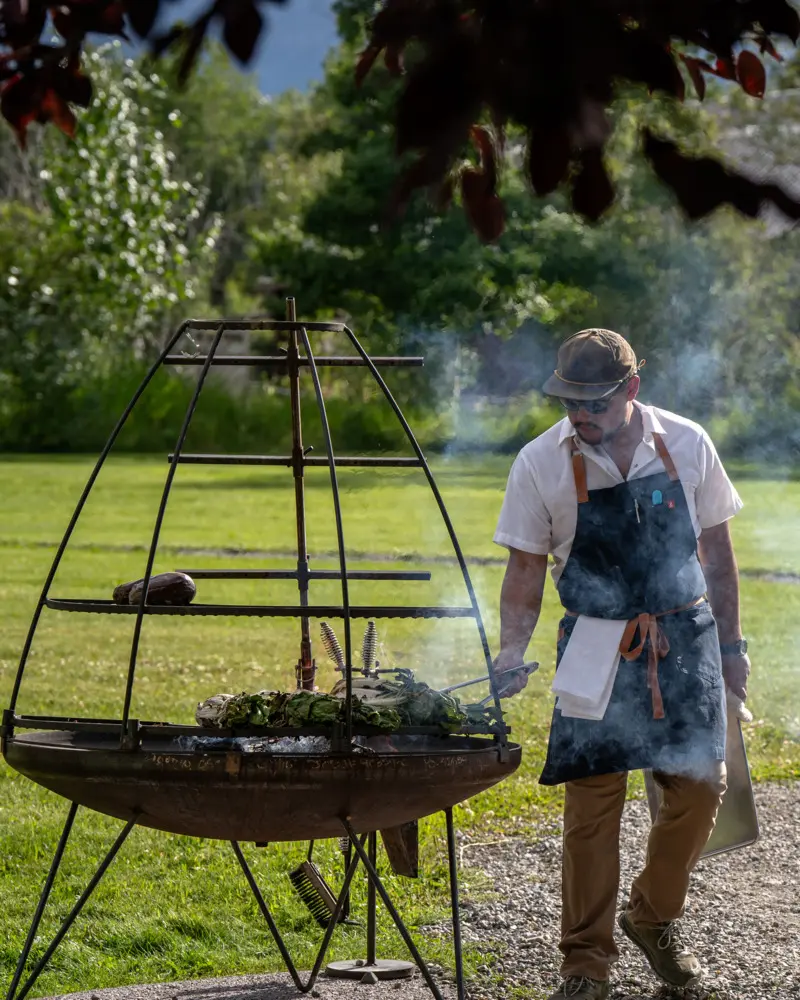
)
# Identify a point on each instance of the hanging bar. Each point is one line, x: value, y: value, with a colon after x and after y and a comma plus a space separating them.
x: 280, y: 361
x: 313, y: 574
x: 263, y: 323
x: 318, y: 461
x: 107, y: 607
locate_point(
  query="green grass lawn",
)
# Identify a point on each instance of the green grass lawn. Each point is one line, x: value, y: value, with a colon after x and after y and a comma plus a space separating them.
x: 173, y: 907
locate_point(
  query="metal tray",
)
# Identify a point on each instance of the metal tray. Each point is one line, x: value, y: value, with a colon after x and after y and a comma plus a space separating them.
x: 737, y: 820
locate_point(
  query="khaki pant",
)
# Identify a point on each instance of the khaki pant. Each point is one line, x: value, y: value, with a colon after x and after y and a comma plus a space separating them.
x: 590, y: 868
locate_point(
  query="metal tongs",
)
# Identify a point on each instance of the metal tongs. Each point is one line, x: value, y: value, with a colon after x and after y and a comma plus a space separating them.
x: 529, y: 668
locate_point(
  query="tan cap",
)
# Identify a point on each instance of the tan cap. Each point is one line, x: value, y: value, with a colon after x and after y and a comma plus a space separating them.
x: 592, y: 364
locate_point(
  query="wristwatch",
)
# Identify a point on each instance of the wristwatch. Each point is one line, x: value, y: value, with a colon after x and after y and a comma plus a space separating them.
x: 738, y: 648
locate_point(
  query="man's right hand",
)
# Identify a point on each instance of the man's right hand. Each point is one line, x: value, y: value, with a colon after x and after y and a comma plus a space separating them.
x: 511, y: 684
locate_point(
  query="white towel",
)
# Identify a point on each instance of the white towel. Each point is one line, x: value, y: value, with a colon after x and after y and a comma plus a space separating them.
x: 585, y: 676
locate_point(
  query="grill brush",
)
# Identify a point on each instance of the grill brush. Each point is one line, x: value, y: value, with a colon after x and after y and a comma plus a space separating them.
x: 331, y: 644
x: 314, y: 892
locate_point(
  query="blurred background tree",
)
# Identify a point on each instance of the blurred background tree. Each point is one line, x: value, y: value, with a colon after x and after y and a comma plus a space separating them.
x: 216, y: 199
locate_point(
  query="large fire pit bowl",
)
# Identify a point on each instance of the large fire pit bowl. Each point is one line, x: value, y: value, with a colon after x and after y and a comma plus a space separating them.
x: 261, y: 795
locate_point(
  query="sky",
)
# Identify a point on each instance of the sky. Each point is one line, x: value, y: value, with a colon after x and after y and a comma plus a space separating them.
x: 291, y: 54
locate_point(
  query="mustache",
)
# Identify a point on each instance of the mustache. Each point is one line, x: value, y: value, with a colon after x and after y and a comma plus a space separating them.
x: 590, y: 426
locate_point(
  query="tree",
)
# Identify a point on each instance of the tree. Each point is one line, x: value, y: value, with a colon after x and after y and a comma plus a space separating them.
x: 109, y: 252
x: 548, y: 67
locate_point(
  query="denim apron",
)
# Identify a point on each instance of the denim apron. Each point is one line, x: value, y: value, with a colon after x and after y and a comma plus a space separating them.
x: 634, y: 557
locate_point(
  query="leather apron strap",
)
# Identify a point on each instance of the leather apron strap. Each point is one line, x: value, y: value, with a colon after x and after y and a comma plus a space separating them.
x: 665, y: 457
x: 579, y: 472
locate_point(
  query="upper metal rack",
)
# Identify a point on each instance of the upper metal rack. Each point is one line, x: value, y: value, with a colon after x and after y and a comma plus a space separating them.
x: 297, y: 357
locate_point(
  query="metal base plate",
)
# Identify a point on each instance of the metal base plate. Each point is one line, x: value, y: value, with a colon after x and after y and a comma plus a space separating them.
x: 384, y: 968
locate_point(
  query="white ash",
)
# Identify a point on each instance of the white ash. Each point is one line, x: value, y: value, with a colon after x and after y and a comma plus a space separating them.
x: 257, y: 744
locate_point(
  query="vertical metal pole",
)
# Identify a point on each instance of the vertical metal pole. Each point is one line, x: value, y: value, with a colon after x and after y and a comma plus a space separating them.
x: 306, y: 669
x: 48, y: 885
x: 79, y: 509
x: 476, y: 611
x: 151, y: 555
x: 337, y: 512
x: 454, y: 904
x: 372, y: 900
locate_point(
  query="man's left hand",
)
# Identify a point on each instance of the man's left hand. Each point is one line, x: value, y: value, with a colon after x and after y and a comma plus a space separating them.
x: 736, y: 670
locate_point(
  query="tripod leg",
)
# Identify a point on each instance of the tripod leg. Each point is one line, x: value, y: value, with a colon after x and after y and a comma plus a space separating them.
x: 76, y: 909
x: 45, y: 895
x: 451, y: 857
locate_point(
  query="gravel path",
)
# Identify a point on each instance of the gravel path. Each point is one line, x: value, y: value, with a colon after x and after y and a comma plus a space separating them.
x: 743, y: 918
x: 743, y: 915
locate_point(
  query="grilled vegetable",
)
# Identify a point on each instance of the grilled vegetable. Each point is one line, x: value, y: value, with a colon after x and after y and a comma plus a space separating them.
x: 165, y: 588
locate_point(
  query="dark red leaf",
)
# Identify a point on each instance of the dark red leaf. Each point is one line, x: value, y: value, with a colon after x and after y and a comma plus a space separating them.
x: 440, y: 100
x: 365, y: 62
x: 142, y: 15
x: 592, y: 190
x: 695, y: 69
x: 484, y: 141
x: 176, y: 34
x: 765, y: 44
x: 700, y: 183
x: 725, y: 69
x: 426, y: 171
x: 751, y: 73
x: 55, y: 109
x: 779, y: 17
x: 393, y: 59
x: 243, y: 24
x: 19, y: 104
x: 21, y: 23
x: 483, y: 206
x: 193, y: 43
x: 71, y: 84
x: 92, y: 16
x: 549, y: 155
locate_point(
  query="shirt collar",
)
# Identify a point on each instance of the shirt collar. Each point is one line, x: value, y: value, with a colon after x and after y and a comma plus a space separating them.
x: 650, y: 424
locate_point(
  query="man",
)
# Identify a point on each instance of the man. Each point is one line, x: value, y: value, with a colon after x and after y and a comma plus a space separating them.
x: 633, y: 505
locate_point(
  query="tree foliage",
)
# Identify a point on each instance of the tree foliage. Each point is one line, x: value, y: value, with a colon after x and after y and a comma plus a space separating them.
x: 471, y: 69
x: 109, y: 250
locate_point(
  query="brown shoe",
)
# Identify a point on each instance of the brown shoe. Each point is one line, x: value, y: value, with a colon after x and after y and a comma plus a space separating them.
x: 581, y: 988
x: 668, y: 955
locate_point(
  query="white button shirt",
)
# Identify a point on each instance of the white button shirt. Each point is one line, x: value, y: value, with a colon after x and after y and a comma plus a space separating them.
x: 540, y: 507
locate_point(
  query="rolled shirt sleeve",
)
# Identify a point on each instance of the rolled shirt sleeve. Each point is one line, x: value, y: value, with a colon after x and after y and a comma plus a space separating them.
x: 716, y: 498
x: 524, y: 521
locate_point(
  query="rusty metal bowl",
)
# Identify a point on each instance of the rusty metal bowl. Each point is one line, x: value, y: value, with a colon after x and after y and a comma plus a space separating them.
x: 262, y: 796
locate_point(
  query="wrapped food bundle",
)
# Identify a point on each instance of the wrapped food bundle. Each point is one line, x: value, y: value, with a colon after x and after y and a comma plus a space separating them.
x: 288, y: 710
x: 382, y: 703
x: 164, y: 588
x: 415, y: 702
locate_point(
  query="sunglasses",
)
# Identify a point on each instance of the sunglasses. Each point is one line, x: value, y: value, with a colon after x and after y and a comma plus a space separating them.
x: 590, y: 405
